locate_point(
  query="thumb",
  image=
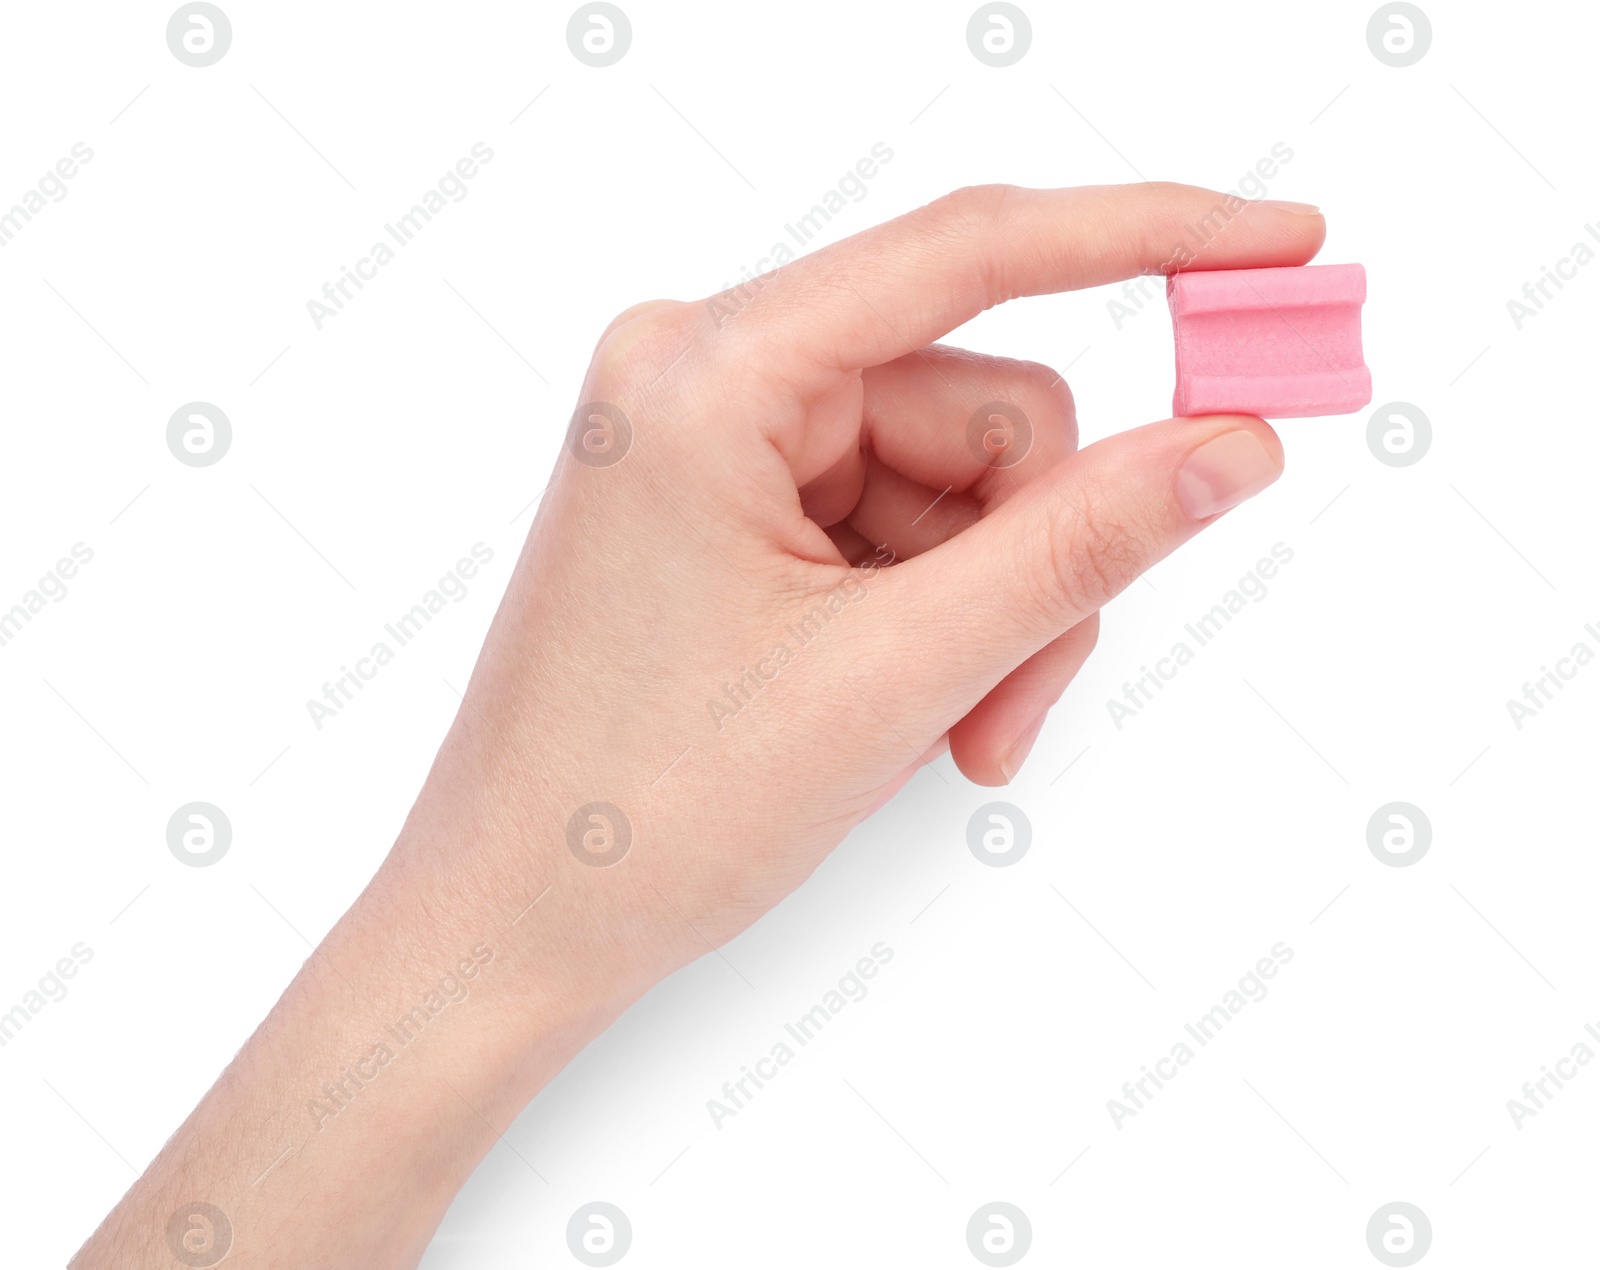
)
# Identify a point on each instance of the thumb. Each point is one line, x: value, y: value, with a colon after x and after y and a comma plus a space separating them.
x: 984, y: 601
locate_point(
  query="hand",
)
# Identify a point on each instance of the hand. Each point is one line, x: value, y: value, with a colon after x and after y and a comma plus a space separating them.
x: 778, y: 567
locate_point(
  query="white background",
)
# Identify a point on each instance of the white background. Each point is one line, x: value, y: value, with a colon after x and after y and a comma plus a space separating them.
x: 1229, y: 815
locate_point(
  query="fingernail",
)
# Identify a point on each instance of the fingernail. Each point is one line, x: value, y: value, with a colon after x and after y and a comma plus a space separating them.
x: 1302, y: 209
x: 1014, y: 758
x: 1224, y: 472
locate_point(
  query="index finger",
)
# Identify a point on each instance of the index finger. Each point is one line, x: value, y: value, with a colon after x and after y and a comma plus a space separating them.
x: 902, y: 285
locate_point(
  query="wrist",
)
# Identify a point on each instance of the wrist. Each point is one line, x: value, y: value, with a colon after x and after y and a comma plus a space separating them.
x: 544, y: 952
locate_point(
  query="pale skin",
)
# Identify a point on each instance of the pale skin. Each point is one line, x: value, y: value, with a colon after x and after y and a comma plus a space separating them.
x: 802, y: 428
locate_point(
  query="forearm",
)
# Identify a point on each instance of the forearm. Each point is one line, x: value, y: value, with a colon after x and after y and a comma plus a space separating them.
x: 431, y: 1014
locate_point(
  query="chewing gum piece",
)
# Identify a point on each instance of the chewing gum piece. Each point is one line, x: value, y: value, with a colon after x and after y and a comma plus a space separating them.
x: 1278, y: 343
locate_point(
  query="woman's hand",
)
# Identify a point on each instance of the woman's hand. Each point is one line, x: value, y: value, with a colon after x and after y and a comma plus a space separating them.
x: 793, y: 549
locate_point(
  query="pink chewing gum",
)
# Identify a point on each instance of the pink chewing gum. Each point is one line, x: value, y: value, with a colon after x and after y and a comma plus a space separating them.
x: 1278, y: 343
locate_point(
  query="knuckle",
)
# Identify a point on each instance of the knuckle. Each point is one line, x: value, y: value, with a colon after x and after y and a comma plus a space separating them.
x: 1045, y: 401
x: 1047, y: 395
x: 642, y: 342
x: 972, y: 217
x: 635, y: 311
x: 1090, y: 557
x: 971, y: 208
x: 627, y: 315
